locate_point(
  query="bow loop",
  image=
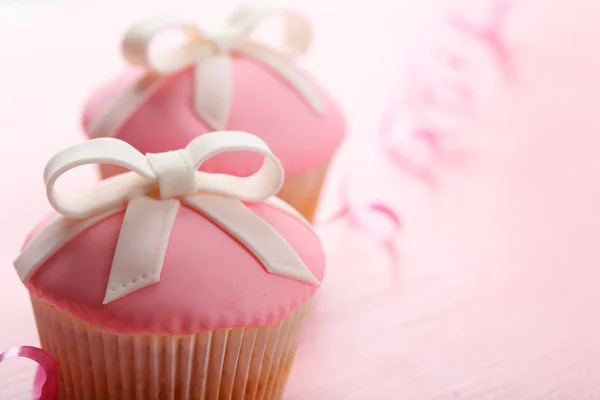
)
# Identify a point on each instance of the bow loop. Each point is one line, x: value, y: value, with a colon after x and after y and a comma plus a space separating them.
x: 259, y: 186
x: 296, y: 29
x: 107, y: 194
x: 138, y: 40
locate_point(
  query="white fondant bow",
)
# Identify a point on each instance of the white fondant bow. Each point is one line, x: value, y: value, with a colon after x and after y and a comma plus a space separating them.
x: 151, y: 194
x: 208, y: 52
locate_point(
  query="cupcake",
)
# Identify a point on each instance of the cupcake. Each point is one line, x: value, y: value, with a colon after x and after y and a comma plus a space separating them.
x: 223, y: 78
x: 170, y: 283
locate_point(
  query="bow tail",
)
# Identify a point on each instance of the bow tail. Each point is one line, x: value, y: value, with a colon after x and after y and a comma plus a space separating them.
x: 297, y: 80
x: 50, y: 239
x: 213, y: 91
x: 274, y: 252
x: 141, y: 248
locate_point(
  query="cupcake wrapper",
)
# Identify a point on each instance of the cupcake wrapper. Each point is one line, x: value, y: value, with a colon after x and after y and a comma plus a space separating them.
x: 246, y: 363
x: 302, y: 191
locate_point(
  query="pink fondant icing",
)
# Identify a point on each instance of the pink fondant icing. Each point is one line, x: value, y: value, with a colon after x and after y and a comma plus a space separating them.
x: 263, y: 103
x: 209, y: 280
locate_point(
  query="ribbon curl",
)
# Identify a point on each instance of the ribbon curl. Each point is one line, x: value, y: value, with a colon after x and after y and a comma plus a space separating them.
x: 416, y: 128
x: 424, y: 117
x: 175, y: 176
x: 46, y: 382
x: 399, y: 130
x: 208, y: 52
x: 490, y: 33
x: 357, y: 215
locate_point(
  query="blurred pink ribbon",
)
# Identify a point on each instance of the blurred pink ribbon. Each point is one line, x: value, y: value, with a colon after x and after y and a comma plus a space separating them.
x: 489, y: 33
x: 46, y: 380
x: 413, y: 128
x: 411, y: 132
x: 409, y: 146
x: 362, y: 216
x: 359, y: 214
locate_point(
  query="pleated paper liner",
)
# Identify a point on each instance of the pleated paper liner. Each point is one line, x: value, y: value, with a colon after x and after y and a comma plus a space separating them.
x: 247, y: 363
x: 302, y: 191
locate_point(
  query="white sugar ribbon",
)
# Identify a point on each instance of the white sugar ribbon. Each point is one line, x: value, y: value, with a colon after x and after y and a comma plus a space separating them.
x: 151, y: 194
x: 208, y: 52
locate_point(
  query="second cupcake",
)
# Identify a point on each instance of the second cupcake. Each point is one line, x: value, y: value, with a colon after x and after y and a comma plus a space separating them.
x: 223, y: 78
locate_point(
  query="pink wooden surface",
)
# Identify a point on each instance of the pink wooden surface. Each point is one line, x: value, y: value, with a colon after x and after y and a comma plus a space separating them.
x: 476, y: 331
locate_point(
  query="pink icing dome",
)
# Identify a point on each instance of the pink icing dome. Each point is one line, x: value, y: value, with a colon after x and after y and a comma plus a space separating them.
x: 209, y: 280
x: 263, y: 103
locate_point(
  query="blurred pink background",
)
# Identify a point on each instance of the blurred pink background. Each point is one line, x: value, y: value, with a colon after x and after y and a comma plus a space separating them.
x: 433, y: 334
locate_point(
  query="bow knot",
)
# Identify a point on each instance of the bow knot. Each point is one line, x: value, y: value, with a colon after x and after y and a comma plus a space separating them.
x: 175, y: 173
x: 219, y: 197
x: 208, y: 53
x: 226, y: 37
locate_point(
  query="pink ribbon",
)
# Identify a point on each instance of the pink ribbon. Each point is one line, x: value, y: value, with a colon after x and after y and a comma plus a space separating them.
x: 489, y: 33
x: 46, y: 380
x: 361, y: 215
x: 415, y: 119
x: 358, y: 215
x: 395, y: 138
